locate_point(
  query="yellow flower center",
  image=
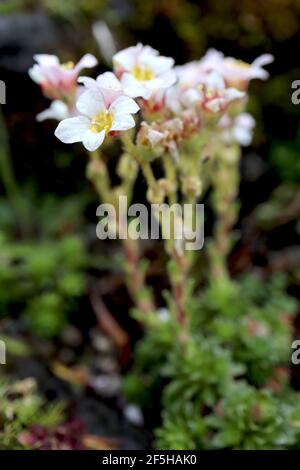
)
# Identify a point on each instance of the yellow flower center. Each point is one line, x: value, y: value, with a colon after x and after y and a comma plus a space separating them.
x: 68, y: 65
x: 102, y: 122
x: 142, y: 73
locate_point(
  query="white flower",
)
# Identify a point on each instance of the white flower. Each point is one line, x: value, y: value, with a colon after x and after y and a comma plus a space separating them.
x: 235, y: 72
x: 143, y: 71
x: 58, y: 80
x: 98, y: 116
x: 239, y: 129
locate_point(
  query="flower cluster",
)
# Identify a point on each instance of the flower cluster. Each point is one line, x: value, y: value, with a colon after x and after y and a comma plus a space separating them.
x: 175, y: 102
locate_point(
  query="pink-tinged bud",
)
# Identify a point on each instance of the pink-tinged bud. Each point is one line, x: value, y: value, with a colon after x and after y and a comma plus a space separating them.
x: 148, y: 136
x: 58, y: 81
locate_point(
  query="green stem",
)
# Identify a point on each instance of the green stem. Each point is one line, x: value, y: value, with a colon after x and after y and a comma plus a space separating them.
x: 170, y: 171
x: 135, y: 279
x: 225, y: 184
x: 145, y: 165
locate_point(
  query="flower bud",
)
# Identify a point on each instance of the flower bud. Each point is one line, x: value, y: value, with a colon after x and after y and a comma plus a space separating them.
x: 191, y: 186
x: 148, y: 136
x: 95, y: 169
x: 156, y: 196
x: 166, y: 185
x: 127, y: 166
x: 231, y: 154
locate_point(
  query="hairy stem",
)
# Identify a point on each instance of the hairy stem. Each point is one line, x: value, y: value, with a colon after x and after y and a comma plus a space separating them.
x: 135, y: 278
x: 225, y: 184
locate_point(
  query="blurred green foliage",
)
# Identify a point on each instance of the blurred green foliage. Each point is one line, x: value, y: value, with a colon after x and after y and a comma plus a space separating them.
x: 250, y: 23
x: 43, y: 280
x: 223, y: 387
x: 286, y: 158
x: 22, y: 407
x: 252, y: 318
x: 42, y: 260
x: 70, y: 10
x: 244, y: 418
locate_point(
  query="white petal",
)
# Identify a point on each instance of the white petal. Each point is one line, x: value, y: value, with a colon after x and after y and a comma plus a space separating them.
x: 257, y: 72
x: 153, y: 85
x: 262, y: 60
x: 214, y: 80
x: 88, y: 61
x: 173, y: 100
x: 165, y: 80
x: 191, y: 96
x: 92, y: 140
x: 110, y: 87
x: 88, y: 82
x: 71, y: 130
x: 90, y: 103
x: 124, y: 105
x: 168, y: 78
x: 35, y: 74
x: 122, y: 122
x: 245, y: 120
x: 158, y: 64
x: 212, y: 59
x: 145, y: 53
x: 188, y: 73
x: 125, y: 58
x: 109, y: 80
x: 46, y: 59
x: 154, y: 137
x: 243, y: 136
x: 134, y: 88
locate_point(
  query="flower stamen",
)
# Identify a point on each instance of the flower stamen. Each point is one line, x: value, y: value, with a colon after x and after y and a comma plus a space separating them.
x: 68, y: 65
x: 102, y: 122
x: 142, y: 73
